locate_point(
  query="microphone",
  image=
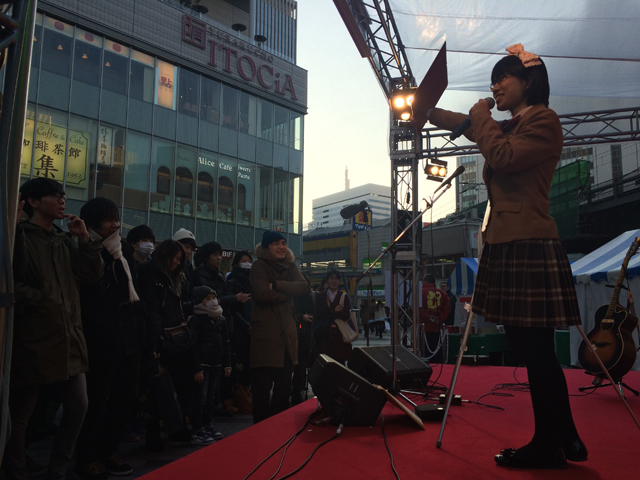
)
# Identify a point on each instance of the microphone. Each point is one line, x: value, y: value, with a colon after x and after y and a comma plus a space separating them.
x: 352, y: 210
x: 459, y: 171
x: 464, y: 126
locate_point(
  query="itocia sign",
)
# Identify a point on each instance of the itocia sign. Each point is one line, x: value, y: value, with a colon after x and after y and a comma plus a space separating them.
x: 233, y: 61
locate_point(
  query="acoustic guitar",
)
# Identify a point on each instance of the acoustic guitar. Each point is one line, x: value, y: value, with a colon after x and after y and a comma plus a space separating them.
x: 611, y: 337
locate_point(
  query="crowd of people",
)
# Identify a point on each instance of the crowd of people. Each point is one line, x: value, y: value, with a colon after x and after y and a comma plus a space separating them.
x: 99, y: 319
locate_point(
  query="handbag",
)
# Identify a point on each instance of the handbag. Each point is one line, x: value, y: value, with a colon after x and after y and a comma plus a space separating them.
x: 179, y: 339
x: 348, y: 328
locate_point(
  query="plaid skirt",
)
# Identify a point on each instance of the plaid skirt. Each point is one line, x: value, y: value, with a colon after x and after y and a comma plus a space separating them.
x: 526, y: 283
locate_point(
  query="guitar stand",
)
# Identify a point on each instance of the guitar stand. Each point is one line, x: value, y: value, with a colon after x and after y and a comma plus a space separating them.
x: 597, y: 383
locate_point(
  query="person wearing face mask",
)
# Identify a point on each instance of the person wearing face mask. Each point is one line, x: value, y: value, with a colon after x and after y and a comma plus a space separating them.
x: 238, y: 282
x: 213, y: 354
x: 208, y: 274
x: 142, y: 240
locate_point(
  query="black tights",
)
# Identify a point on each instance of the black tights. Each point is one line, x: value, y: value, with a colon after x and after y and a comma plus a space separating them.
x: 548, y: 386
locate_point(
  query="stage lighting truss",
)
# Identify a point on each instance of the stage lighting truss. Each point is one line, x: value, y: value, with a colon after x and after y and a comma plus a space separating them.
x: 400, y: 103
x: 436, y: 169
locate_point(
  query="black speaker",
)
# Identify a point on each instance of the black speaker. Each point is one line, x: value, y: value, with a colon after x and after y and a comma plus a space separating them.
x: 345, y: 395
x: 376, y: 365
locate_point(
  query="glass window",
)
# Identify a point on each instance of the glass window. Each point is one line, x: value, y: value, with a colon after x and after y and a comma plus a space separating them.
x: 110, y: 162
x: 186, y: 165
x: 35, y: 59
x: 226, y: 189
x: 163, y: 154
x: 296, y: 131
x: 58, y: 39
x: 116, y: 67
x: 281, y: 125
x: 230, y: 107
x: 81, y: 157
x: 136, y: 177
x: 264, y: 197
x: 265, y: 120
x: 246, y: 190
x: 188, y: 103
x: 141, y: 78
x: 165, y: 84
x: 210, y: 101
x: 87, y: 58
x: 295, y: 204
x: 207, y: 163
x: 280, y: 181
x: 248, y: 109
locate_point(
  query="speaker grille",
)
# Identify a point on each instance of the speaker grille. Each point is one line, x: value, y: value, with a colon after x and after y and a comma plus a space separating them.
x: 376, y: 365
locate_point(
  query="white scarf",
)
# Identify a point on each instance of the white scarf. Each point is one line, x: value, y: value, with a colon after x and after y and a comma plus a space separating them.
x: 215, y: 312
x: 114, y: 247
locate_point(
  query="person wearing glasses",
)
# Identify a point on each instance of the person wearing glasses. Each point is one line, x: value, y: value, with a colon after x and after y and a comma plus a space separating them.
x: 49, y: 347
x: 524, y: 278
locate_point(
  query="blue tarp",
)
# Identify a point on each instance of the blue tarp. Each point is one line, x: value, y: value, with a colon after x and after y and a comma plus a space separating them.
x: 463, y: 279
x: 605, y: 262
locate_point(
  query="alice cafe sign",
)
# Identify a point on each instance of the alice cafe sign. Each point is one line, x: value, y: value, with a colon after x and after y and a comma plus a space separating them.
x: 244, y: 173
x: 235, y: 62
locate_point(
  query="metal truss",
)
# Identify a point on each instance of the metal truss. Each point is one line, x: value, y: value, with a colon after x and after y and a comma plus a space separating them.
x: 587, y: 128
x: 387, y: 54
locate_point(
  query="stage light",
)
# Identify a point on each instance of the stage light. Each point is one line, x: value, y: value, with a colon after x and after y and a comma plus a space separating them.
x: 400, y: 103
x: 436, y: 169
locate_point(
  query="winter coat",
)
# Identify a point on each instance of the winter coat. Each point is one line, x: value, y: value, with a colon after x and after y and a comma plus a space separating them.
x: 214, y: 346
x: 273, y: 323
x: 113, y: 326
x: 238, y: 282
x: 212, y: 278
x: 164, y: 305
x: 48, y: 342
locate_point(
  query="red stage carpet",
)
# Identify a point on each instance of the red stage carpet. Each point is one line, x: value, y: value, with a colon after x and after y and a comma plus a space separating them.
x: 472, y: 436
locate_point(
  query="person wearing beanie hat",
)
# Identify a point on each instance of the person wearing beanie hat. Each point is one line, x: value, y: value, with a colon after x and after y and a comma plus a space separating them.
x: 187, y: 239
x: 198, y: 293
x: 275, y: 280
x: 271, y: 236
x: 213, y: 355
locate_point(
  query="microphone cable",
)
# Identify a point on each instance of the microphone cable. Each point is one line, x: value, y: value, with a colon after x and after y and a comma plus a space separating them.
x: 335, y: 435
x: 286, y: 444
x: 386, y: 444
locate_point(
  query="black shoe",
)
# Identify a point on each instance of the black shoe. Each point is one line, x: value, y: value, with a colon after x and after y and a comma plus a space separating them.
x: 91, y: 471
x: 531, y: 456
x: 115, y: 466
x: 575, y: 451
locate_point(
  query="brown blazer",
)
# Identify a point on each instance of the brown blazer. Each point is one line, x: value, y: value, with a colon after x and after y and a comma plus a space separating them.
x: 519, y: 166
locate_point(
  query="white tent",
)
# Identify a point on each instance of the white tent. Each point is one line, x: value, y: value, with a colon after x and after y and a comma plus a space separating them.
x: 593, y: 273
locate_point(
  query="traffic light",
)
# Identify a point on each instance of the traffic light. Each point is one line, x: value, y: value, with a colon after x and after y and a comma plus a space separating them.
x: 436, y: 169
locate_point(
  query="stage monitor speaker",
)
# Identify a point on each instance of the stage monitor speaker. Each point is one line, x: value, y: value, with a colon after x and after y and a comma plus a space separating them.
x: 345, y: 395
x: 376, y: 365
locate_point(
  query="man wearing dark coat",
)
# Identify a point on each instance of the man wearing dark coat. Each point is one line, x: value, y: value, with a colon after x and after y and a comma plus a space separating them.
x: 49, y: 347
x: 275, y: 280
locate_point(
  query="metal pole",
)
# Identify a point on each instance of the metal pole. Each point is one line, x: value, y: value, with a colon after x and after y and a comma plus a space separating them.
x: 11, y: 135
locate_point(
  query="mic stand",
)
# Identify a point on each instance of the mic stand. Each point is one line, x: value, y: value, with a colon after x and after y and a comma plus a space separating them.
x: 391, y: 248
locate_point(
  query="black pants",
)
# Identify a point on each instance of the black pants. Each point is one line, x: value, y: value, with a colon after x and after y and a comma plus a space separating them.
x: 262, y: 380
x: 112, y: 386
x: 548, y: 386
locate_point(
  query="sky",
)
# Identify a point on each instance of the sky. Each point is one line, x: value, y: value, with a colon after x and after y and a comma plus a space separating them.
x: 347, y: 125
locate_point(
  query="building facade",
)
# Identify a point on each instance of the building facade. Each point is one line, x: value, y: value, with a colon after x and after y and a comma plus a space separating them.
x: 326, y: 210
x: 181, y: 118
